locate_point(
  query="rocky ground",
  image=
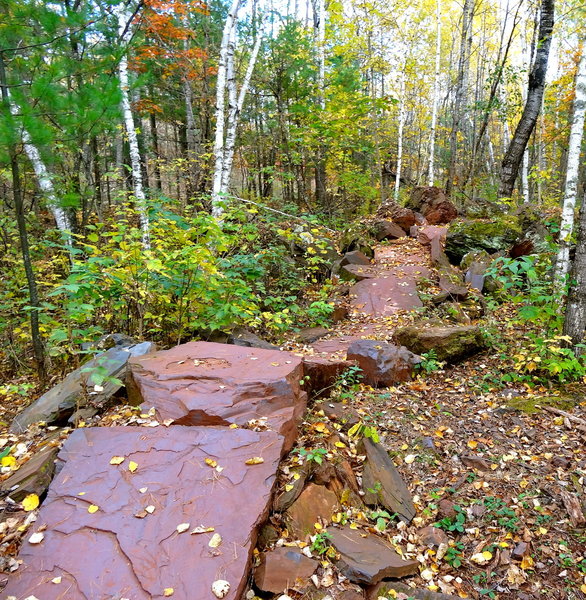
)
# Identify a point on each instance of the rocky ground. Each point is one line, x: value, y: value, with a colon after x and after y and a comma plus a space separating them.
x: 478, y: 491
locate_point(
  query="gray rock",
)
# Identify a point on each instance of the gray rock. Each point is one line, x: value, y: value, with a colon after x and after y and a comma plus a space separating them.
x: 77, y: 389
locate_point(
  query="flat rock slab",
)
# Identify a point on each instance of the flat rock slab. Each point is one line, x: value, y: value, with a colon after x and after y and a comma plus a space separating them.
x: 390, y: 292
x: 203, y: 383
x: 368, y: 560
x: 315, y: 502
x: 112, y: 553
x: 381, y: 475
x: 283, y: 568
x: 75, y: 390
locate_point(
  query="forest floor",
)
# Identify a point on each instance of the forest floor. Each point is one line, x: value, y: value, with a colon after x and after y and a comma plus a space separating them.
x: 498, y: 472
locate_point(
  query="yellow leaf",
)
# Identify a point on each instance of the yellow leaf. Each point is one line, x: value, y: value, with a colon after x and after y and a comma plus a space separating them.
x: 233, y: 426
x: 168, y: 592
x: 255, y: 460
x: 527, y: 562
x: 8, y: 461
x: 472, y: 444
x: 56, y: 580
x: 30, y: 502
x: 583, y: 588
x: 92, y: 508
x: 117, y: 460
x: 409, y: 459
x: 215, y: 540
x: 132, y: 466
x: 296, y: 476
x: 289, y: 487
x: 321, y: 428
x: 318, y: 526
x: 211, y: 463
x: 340, y: 445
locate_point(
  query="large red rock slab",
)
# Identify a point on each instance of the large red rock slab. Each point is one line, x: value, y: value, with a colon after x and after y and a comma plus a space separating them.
x: 392, y: 291
x: 315, y: 502
x: 112, y: 553
x: 203, y: 383
x: 283, y: 568
x: 321, y: 374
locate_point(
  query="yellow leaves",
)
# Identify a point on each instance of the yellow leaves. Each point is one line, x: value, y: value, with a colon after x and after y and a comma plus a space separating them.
x: 289, y: 487
x: 340, y: 445
x: 8, y: 461
x: 472, y: 444
x: 255, y: 460
x: 215, y: 540
x: 132, y: 466
x: 30, y: 502
x: 201, y: 529
x: 527, y: 563
x: 168, y: 592
x: 481, y: 558
x: 583, y: 588
x: 410, y: 459
x: 321, y: 428
x: 93, y: 508
x: 117, y: 460
x: 211, y: 463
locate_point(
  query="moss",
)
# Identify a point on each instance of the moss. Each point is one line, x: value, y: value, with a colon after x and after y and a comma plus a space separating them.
x: 533, y: 404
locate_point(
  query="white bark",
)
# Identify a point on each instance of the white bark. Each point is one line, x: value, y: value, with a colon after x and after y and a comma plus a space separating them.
x: 230, y: 24
x: 139, y: 195
x: 525, y: 176
x: 572, y: 173
x: 45, y: 181
x: 436, y: 92
x: 321, y: 48
x: 400, y: 141
x: 234, y: 118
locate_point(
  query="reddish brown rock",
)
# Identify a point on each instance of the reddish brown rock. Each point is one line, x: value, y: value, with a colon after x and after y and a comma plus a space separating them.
x: 446, y: 508
x: 452, y: 281
x: 432, y: 537
x: 202, y: 383
x: 286, y: 498
x: 367, y: 560
x: 387, y: 230
x: 404, y: 217
x: 120, y: 550
x: 383, y: 484
x: 341, y: 413
x: 427, y: 233
x: 321, y: 374
x: 283, y: 568
x: 354, y: 257
x: 520, y: 550
x: 382, y: 364
x: 316, y: 502
x: 433, y: 204
x: 357, y: 272
x: 390, y: 292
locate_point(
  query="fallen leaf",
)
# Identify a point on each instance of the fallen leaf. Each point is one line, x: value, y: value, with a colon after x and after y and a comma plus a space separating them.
x: 409, y: 459
x: 211, y: 463
x: 472, y: 444
x: 255, y: 460
x: 117, y: 460
x: 56, y: 580
x: 150, y: 509
x: 93, y: 508
x: 132, y: 466
x: 215, y: 540
x: 143, y: 490
x: 289, y: 487
x: 220, y: 588
x: 527, y: 562
x: 36, y: 538
x: 182, y: 527
x: 168, y: 592
x: 202, y: 529
x: 30, y: 502
x: 8, y: 461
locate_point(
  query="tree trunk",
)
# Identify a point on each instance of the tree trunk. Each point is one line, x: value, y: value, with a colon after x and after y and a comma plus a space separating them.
x: 575, y: 320
x: 400, y: 136
x: 217, y: 208
x: 38, y: 348
x: 572, y: 172
x: 436, y: 93
x: 135, y: 161
x: 514, y: 155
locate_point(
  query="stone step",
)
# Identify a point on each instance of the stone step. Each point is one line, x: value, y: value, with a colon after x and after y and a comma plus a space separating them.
x: 100, y: 540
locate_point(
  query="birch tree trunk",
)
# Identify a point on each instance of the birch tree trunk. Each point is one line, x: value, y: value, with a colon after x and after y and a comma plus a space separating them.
x: 230, y: 24
x: 572, y: 172
x: 514, y: 155
x: 400, y: 136
x: 234, y: 118
x: 436, y: 91
x: 135, y: 162
x: 575, y: 320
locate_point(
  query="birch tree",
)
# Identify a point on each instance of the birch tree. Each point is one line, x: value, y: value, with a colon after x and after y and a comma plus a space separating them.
x: 124, y: 33
x: 400, y: 132
x: 572, y: 172
x: 436, y: 93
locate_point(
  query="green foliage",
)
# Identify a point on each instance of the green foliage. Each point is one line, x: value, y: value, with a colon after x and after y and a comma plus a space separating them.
x: 381, y: 518
x: 455, y: 523
x: 430, y: 363
x: 315, y: 455
x: 453, y: 555
x: 497, y: 510
x: 321, y: 543
x: 319, y: 313
x: 363, y: 430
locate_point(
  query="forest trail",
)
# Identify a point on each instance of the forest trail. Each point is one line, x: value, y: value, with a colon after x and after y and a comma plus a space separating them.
x: 116, y: 496
x: 203, y: 486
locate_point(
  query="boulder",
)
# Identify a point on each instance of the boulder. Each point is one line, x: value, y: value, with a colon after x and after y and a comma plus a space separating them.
x: 356, y: 272
x: 433, y: 204
x: 382, y: 364
x: 383, y: 484
x: 283, y: 568
x: 315, y: 502
x: 368, y: 560
x: 387, y: 230
x: 320, y: 374
x: 308, y: 335
x: 203, y: 383
x: 103, y: 544
x: 404, y: 217
x: 451, y: 280
x: 357, y: 237
x: 522, y: 248
x: 469, y: 235
x: 450, y: 344
x: 247, y: 339
x: 78, y: 388
x: 285, y: 499
x: 355, y: 257
x: 432, y: 537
